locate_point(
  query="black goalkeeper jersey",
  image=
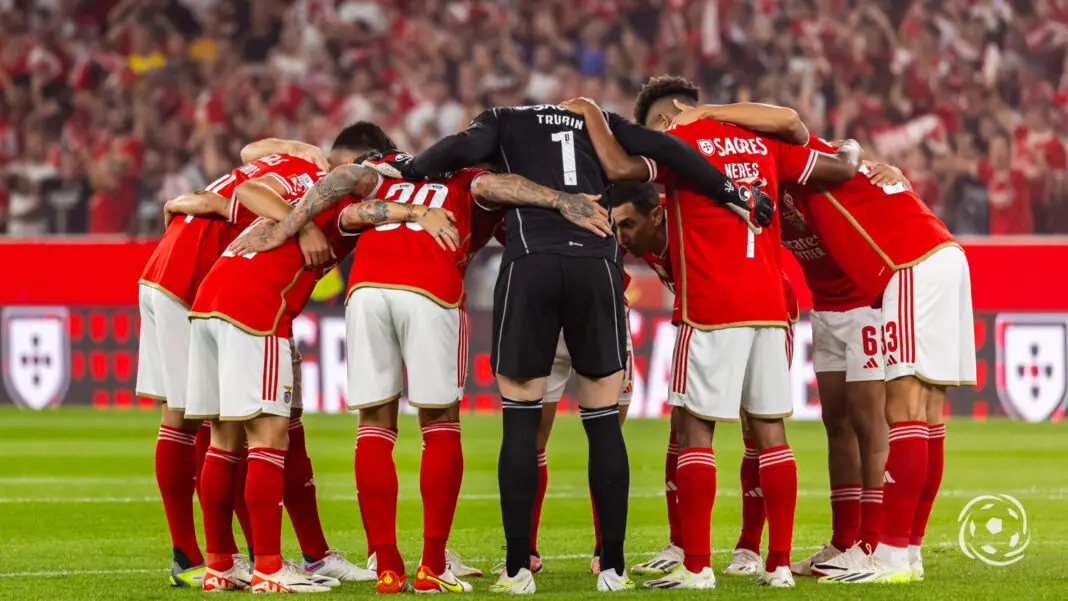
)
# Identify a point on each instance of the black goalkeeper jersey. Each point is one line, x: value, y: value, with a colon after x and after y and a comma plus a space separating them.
x: 551, y: 146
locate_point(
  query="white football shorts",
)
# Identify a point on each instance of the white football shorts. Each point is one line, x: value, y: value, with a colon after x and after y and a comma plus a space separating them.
x: 389, y: 331
x: 927, y: 319
x: 848, y: 341
x: 163, y: 351
x: 298, y: 390
x: 715, y: 374
x: 234, y: 375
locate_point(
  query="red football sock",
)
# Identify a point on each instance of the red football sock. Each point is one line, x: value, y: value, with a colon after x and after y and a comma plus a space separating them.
x: 936, y: 460
x: 871, y: 518
x: 203, y: 441
x: 696, y: 479
x: 376, y: 488
x: 752, y: 500
x: 543, y: 483
x: 263, y: 495
x: 217, y: 504
x: 176, y: 473
x: 440, y: 476
x: 671, y: 491
x: 240, y: 508
x: 778, y: 481
x: 845, y: 515
x: 299, y: 496
x: 906, y: 475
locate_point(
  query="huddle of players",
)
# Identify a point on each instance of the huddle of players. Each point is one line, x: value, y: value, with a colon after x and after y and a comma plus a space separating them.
x: 216, y: 344
x: 737, y: 341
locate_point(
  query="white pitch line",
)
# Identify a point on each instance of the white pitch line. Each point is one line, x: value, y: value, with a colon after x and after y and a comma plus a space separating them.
x: 1034, y: 493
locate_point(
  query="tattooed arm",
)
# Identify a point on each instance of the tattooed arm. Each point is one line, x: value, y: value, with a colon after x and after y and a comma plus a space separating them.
x: 346, y: 179
x: 437, y: 222
x: 580, y: 209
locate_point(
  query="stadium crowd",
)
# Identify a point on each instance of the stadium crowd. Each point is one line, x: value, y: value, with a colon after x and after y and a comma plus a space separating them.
x: 111, y: 107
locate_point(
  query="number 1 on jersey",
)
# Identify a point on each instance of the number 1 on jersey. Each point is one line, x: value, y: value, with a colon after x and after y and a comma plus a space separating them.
x: 567, y: 154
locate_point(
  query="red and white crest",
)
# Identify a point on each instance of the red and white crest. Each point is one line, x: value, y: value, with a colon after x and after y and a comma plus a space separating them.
x: 36, y: 355
x: 1032, y: 351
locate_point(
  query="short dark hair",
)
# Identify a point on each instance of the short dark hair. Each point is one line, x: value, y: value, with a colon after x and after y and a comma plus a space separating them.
x: 363, y: 135
x: 664, y: 86
x: 644, y: 196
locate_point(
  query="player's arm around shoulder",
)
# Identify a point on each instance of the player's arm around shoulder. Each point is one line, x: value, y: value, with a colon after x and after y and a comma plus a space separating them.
x: 203, y: 203
x: 583, y: 210
x: 779, y: 121
x: 436, y: 221
x: 837, y: 168
x: 268, y: 235
x: 618, y: 165
x: 254, y: 151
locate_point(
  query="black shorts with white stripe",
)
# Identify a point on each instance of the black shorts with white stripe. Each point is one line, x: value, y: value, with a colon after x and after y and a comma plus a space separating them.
x: 540, y: 294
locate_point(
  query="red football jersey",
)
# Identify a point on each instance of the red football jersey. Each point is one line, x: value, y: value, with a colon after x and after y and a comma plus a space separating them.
x: 725, y: 275
x: 662, y: 266
x: 793, y: 308
x: 832, y: 290
x: 404, y: 257
x: 871, y: 231
x: 262, y: 293
x: 191, y: 245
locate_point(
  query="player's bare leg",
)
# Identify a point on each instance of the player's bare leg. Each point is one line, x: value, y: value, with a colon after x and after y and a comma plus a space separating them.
x: 844, y: 466
x: 745, y: 560
x: 176, y: 476
x: 936, y: 438
x: 778, y: 482
x: 226, y: 569
x: 440, y: 476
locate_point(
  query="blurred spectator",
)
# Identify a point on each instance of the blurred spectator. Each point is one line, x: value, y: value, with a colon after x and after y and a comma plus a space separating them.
x: 1008, y: 188
x: 27, y: 213
x: 133, y: 100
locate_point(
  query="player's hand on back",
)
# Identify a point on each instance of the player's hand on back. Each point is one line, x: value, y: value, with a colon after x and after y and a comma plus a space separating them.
x: 311, y: 153
x: 395, y: 165
x: 584, y: 211
x: 263, y: 236
x: 314, y: 246
x: 881, y: 174
x: 581, y: 106
x: 688, y: 115
x: 438, y: 223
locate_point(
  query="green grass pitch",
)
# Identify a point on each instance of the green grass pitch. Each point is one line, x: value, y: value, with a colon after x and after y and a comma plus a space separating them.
x: 80, y: 517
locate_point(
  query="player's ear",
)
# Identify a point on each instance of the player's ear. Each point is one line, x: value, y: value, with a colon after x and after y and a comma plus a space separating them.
x: 658, y: 215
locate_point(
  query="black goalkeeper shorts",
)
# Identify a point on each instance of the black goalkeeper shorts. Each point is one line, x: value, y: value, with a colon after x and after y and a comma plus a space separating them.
x: 540, y: 294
